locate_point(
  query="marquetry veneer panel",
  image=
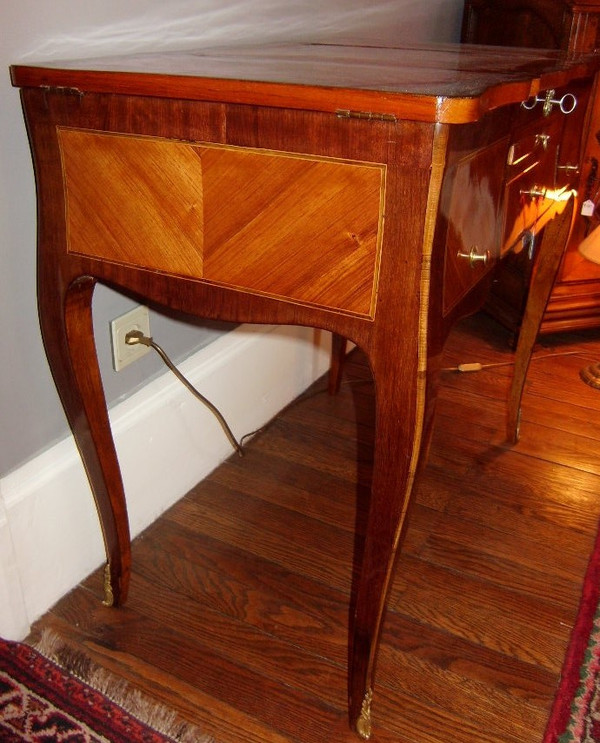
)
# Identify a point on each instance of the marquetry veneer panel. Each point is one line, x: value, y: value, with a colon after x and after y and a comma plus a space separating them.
x: 296, y: 226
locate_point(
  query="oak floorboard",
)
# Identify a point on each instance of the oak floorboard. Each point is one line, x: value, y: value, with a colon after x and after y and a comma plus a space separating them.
x: 505, y: 558
x: 238, y: 612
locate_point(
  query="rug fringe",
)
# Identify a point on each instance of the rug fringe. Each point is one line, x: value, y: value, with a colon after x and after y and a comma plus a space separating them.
x: 136, y: 703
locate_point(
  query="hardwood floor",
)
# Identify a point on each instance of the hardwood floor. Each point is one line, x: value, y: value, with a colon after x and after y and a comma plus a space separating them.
x: 238, y: 610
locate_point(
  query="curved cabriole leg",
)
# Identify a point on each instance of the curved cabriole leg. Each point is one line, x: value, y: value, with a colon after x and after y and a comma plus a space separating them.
x: 398, y: 438
x: 67, y: 330
x: 555, y: 238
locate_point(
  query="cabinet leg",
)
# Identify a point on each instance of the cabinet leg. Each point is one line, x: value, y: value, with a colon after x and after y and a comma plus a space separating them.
x: 68, y: 335
x: 399, y: 437
x: 555, y: 238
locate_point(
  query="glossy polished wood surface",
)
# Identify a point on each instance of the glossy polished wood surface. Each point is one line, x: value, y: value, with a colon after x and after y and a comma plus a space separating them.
x: 298, y: 227
x: 276, y: 196
x: 545, y: 24
x: 445, y: 83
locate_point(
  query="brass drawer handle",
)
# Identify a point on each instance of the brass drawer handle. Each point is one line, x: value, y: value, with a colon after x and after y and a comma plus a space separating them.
x: 514, y: 158
x: 474, y: 257
x: 568, y: 168
x: 535, y: 193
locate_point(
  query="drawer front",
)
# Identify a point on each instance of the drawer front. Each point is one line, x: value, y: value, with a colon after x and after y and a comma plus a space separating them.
x: 532, y: 188
x: 470, y: 208
x: 299, y: 227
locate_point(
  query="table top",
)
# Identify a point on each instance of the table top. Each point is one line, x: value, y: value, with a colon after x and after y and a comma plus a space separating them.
x: 451, y: 83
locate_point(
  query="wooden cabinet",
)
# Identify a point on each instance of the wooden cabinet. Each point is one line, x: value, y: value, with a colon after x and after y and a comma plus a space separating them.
x: 574, y: 27
x: 326, y: 186
x: 547, y: 24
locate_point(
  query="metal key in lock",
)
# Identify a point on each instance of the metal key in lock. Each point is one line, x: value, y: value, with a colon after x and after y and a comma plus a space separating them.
x: 528, y: 243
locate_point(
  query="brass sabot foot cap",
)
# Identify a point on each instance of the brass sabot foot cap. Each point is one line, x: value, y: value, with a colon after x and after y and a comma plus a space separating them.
x: 591, y: 375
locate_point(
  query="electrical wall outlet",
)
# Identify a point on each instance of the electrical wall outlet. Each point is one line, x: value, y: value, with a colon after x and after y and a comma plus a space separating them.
x: 123, y: 353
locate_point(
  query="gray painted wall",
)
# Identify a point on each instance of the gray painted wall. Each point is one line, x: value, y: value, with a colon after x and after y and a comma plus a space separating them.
x: 37, y: 30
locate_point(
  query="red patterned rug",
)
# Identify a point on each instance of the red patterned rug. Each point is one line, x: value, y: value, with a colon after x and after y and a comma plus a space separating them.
x: 575, y: 716
x: 41, y: 702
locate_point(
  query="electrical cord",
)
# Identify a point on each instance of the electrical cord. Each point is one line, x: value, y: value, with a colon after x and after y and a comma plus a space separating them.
x: 136, y: 336
x: 477, y: 366
x: 307, y: 395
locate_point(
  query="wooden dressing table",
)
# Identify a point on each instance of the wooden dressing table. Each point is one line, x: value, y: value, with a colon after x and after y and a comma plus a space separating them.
x: 365, y: 191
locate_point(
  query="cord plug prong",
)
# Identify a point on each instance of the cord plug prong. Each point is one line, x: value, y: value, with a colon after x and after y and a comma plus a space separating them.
x: 136, y: 336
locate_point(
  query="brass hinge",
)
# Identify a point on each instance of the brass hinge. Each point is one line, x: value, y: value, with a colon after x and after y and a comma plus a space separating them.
x: 345, y: 114
x: 62, y: 89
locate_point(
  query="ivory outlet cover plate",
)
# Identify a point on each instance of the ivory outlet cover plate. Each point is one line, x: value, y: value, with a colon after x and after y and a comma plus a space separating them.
x: 124, y: 354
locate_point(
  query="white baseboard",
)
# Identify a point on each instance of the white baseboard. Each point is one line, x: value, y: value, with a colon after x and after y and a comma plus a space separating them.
x: 167, y: 442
